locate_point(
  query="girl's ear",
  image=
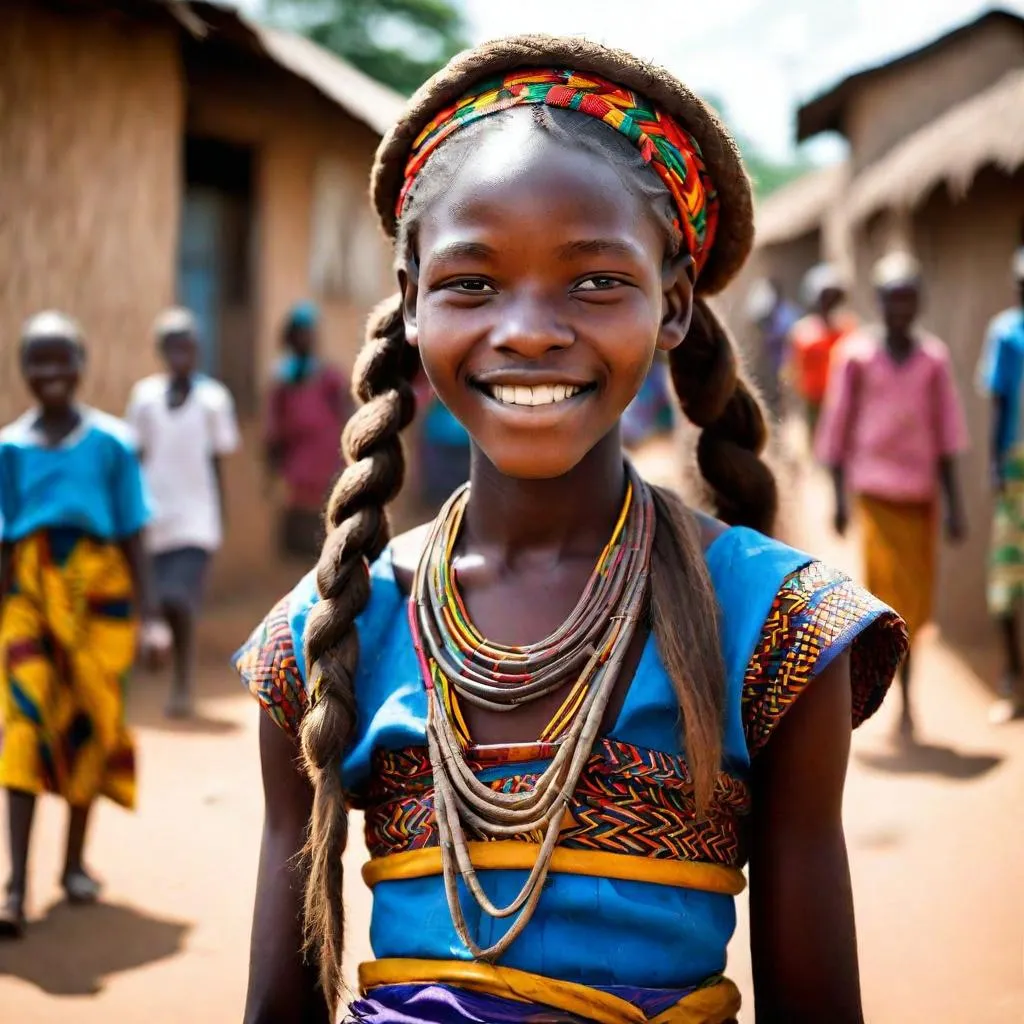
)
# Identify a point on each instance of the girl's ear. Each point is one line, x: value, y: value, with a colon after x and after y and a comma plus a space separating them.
x: 677, y: 301
x: 408, y: 285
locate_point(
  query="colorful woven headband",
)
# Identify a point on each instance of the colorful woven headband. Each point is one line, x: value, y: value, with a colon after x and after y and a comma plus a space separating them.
x: 664, y: 145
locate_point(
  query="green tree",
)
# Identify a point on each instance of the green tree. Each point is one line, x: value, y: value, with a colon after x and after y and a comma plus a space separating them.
x: 398, y: 42
x: 767, y: 173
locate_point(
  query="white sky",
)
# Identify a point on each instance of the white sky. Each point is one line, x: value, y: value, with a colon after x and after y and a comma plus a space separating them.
x: 760, y: 57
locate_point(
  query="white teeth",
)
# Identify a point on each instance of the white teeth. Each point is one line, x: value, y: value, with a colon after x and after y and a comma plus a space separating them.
x: 540, y: 394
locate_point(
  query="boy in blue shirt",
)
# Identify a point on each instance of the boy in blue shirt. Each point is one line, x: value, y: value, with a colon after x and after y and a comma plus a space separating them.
x: 1001, y: 376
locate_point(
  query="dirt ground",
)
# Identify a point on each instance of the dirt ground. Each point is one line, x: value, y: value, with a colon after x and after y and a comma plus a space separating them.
x: 935, y: 835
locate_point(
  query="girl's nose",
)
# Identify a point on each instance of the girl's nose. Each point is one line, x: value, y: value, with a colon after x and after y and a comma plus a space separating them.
x: 530, y: 328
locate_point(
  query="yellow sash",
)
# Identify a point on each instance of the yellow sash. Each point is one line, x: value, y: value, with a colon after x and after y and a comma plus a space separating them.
x: 715, y: 1004
x: 513, y: 855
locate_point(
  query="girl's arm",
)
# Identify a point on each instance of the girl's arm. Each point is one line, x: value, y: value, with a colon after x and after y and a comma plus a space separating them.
x: 5, y: 568
x: 956, y: 523
x: 802, y: 933
x: 138, y: 565
x: 832, y: 440
x: 282, y: 988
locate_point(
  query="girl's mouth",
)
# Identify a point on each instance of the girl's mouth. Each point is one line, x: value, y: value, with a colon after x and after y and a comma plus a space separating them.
x: 533, y: 395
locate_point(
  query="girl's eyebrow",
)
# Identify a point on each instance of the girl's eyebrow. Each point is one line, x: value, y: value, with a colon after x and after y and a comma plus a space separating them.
x: 596, y: 247
x: 463, y: 250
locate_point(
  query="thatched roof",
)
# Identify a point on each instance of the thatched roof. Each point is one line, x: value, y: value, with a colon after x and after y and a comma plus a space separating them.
x: 798, y: 208
x: 987, y: 129
x: 824, y: 113
x: 361, y: 97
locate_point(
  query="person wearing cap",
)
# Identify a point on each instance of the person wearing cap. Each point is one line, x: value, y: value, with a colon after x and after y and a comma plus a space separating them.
x: 1001, y: 378
x: 74, y: 585
x: 891, y: 426
x: 185, y: 425
x: 815, y: 336
x: 308, y: 405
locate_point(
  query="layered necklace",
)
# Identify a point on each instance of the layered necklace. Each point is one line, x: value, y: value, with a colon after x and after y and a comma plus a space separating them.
x: 459, y: 664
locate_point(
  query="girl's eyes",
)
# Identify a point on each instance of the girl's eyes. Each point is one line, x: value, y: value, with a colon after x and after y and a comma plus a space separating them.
x: 470, y: 286
x: 480, y: 287
x: 597, y: 283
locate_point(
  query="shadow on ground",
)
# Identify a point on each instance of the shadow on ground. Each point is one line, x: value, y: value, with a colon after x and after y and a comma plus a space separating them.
x: 912, y: 758
x: 149, y: 696
x: 95, y: 943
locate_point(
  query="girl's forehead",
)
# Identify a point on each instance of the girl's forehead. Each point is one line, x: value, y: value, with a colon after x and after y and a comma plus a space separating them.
x: 55, y: 347
x: 519, y: 171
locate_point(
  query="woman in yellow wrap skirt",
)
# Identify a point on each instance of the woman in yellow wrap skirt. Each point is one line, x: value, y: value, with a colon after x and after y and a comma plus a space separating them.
x: 73, y: 507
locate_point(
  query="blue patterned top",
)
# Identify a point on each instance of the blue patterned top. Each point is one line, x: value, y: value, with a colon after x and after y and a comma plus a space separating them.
x: 784, y: 618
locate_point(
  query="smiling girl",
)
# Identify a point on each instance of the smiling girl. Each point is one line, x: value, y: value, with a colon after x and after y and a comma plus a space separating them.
x: 571, y: 707
x: 73, y: 576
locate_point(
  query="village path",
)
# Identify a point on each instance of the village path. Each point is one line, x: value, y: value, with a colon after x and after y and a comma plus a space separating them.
x: 935, y: 837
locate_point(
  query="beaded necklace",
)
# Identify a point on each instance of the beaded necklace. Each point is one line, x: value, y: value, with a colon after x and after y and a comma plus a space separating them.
x: 458, y: 663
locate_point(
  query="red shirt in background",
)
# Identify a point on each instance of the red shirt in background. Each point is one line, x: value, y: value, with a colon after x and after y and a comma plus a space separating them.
x: 811, y: 344
x: 304, y: 421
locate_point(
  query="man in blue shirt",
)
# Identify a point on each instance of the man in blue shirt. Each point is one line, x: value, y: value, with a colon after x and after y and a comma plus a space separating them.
x: 1001, y: 377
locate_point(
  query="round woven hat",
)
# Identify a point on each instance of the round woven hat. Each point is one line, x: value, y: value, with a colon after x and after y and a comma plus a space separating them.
x: 735, y: 234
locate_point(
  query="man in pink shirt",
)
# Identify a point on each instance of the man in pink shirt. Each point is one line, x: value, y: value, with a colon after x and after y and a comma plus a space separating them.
x: 891, y: 425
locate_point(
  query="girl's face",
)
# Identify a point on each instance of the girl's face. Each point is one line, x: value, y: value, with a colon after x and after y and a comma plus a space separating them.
x: 900, y: 307
x: 52, y: 369
x: 181, y: 353
x: 541, y: 294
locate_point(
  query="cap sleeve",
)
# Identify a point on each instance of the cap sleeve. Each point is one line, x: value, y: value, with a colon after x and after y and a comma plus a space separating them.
x: 270, y: 662
x: 817, y: 615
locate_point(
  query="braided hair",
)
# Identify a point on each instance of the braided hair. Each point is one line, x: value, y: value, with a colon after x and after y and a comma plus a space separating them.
x: 705, y: 377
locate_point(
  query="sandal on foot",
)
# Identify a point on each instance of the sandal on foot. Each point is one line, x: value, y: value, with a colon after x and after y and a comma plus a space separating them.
x: 80, y: 888
x: 12, y: 918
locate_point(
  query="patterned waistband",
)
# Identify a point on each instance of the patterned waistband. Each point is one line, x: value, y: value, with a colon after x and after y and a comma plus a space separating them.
x: 629, y: 801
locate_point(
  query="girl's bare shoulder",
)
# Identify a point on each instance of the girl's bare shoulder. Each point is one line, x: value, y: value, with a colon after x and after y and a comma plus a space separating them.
x: 406, y: 549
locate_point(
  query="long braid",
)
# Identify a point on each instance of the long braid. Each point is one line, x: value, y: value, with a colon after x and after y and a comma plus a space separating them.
x: 358, y: 532
x: 715, y: 397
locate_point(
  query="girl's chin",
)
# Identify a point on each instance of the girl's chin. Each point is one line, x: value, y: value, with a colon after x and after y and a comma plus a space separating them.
x: 548, y: 460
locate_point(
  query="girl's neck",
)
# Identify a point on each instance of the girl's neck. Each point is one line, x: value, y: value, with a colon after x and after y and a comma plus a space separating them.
x: 900, y: 344
x: 56, y: 423
x: 573, y: 513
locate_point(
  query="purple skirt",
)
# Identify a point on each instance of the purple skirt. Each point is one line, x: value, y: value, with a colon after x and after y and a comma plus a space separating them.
x: 445, y: 1004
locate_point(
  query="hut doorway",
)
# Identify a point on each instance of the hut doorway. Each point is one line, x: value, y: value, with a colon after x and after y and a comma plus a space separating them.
x: 215, y: 260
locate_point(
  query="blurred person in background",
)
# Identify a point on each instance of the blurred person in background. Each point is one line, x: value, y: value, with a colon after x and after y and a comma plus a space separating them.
x: 74, y: 578
x: 184, y: 422
x: 444, y: 448
x: 891, y: 426
x: 650, y: 413
x: 815, y: 336
x: 308, y: 404
x: 1001, y: 377
x: 774, y: 316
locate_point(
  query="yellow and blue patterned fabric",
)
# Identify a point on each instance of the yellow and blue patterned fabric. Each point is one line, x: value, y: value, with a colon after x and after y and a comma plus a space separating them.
x: 67, y: 642
x: 641, y: 893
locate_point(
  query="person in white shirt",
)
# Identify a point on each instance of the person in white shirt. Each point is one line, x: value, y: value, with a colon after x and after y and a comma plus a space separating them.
x: 185, y: 424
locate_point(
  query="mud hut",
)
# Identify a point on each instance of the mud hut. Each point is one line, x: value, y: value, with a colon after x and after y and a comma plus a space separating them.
x: 158, y: 151
x: 937, y: 160
x: 794, y: 232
